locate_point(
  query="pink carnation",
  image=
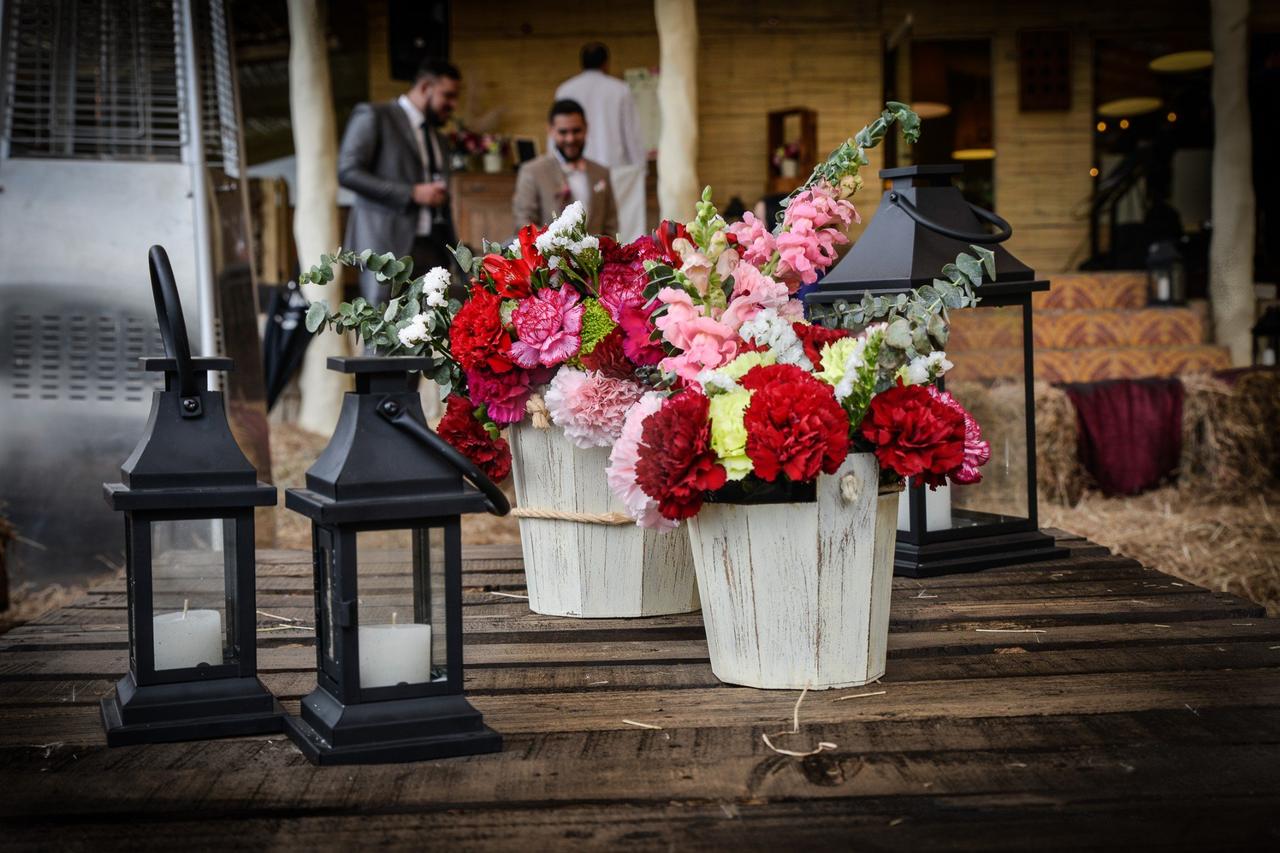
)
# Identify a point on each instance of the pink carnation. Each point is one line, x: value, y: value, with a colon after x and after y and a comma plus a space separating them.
x: 622, y: 286
x: 590, y: 407
x: 502, y: 394
x: 976, y: 451
x: 622, y: 466
x: 547, y: 328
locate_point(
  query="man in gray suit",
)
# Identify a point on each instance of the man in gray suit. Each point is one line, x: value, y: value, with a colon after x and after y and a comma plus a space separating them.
x: 396, y: 162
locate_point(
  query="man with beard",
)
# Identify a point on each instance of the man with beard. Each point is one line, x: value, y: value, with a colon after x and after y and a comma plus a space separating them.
x: 548, y: 184
x: 395, y: 160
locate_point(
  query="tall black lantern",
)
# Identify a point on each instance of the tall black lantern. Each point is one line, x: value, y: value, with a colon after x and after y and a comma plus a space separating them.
x: 923, y: 223
x: 1166, y: 275
x: 385, y: 499
x: 188, y: 495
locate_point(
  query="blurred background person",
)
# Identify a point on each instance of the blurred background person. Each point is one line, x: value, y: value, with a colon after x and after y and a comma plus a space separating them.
x: 548, y: 184
x: 615, y: 133
x: 396, y: 161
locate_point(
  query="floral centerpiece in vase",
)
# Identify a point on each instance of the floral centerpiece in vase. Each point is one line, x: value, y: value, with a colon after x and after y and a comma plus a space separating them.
x: 554, y: 344
x: 785, y: 444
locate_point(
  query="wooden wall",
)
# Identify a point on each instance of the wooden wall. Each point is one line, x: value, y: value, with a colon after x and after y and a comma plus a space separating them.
x: 823, y: 54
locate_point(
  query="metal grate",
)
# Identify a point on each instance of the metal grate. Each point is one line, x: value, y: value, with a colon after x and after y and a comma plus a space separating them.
x: 221, y: 136
x: 82, y: 357
x: 92, y: 79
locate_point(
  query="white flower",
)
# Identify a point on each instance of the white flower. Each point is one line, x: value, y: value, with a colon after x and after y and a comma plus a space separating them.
x: 925, y: 368
x: 414, y: 333
x: 435, y: 287
x: 558, y: 233
x: 768, y: 329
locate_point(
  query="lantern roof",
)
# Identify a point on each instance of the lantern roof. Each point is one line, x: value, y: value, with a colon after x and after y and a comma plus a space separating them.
x: 922, y: 224
x: 373, y: 470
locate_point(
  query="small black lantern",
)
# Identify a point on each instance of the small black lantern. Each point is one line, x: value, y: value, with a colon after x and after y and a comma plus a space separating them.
x: 385, y: 499
x: 922, y: 224
x: 188, y: 495
x: 1166, y: 275
x: 1266, y: 338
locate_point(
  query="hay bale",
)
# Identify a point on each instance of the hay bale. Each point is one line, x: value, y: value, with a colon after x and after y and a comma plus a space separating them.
x: 1060, y: 476
x: 1227, y: 445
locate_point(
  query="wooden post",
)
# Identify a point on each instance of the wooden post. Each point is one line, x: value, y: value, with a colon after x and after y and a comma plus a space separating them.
x: 678, y: 100
x: 315, y: 222
x: 1231, y: 247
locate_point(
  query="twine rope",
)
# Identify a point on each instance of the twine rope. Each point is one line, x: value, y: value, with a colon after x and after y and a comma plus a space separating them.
x: 614, y: 518
x: 539, y: 415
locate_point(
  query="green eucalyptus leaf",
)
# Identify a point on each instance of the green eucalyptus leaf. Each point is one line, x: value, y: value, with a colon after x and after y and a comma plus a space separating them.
x: 463, y: 256
x: 971, y: 267
x: 988, y: 258
x: 898, y: 334
x: 317, y: 313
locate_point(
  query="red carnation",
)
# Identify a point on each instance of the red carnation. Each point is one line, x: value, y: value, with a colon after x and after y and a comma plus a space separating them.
x: 468, y: 436
x: 815, y: 337
x: 915, y: 434
x: 609, y: 356
x: 676, y: 465
x: 477, y: 337
x: 794, y: 424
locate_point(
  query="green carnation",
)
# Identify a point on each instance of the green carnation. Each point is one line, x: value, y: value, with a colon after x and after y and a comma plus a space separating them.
x: 729, y: 433
x: 596, y: 325
x: 738, y: 368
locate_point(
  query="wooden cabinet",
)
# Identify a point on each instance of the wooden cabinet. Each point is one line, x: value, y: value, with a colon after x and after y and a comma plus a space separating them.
x: 482, y: 207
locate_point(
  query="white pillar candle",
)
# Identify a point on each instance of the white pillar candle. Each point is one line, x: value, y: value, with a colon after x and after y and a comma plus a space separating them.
x: 937, y: 508
x: 394, y: 654
x: 1162, y: 287
x: 187, y: 638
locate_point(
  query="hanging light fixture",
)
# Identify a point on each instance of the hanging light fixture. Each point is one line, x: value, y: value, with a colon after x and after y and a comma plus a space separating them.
x: 1121, y: 107
x: 1182, y: 62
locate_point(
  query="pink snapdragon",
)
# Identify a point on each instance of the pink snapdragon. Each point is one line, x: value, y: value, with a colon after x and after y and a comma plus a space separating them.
x: 752, y: 291
x: 621, y: 472
x: 754, y: 240
x: 548, y: 328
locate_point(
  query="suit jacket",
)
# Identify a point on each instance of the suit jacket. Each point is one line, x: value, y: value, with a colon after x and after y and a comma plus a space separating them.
x: 379, y: 162
x: 542, y: 192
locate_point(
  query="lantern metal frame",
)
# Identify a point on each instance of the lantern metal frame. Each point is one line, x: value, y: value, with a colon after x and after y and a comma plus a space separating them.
x: 188, y: 467
x: 934, y: 223
x: 1163, y: 255
x: 374, y: 475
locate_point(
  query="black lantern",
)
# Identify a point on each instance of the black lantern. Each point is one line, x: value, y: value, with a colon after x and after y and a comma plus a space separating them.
x: 1166, y: 275
x: 923, y: 223
x: 385, y: 499
x: 1266, y: 338
x: 188, y: 495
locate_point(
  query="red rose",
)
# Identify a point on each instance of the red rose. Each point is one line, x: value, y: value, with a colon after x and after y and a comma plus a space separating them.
x: 468, y: 436
x: 512, y: 278
x: 815, y: 337
x: 676, y: 464
x: 915, y: 434
x: 794, y: 425
x: 609, y: 356
x: 477, y: 337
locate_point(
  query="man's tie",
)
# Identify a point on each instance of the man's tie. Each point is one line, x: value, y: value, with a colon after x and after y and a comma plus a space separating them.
x: 433, y: 168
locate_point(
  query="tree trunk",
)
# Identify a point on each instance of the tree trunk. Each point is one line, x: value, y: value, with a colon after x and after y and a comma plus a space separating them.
x: 315, y: 221
x: 678, y: 100
x: 1231, y: 248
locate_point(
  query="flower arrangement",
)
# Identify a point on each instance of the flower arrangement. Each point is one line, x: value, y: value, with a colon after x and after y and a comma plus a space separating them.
x: 790, y: 151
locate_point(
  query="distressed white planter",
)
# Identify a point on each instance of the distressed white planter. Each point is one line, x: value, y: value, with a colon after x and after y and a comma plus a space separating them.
x: 575, y: 568
x: 797, y: 594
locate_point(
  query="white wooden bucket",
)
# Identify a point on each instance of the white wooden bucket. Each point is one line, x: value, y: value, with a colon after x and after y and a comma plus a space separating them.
x: 797, y: 594
x: 586, y: 569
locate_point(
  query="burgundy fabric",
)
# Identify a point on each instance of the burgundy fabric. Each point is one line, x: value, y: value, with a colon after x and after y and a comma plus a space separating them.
x: 1130, y: 431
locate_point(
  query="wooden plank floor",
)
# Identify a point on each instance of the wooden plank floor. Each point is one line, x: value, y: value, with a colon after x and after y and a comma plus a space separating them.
x: 1083, y: 703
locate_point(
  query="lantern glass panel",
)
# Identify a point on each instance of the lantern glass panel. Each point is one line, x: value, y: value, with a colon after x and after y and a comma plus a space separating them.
x: 991, y: 385
x: 192, y: 584
x: 402, y: 622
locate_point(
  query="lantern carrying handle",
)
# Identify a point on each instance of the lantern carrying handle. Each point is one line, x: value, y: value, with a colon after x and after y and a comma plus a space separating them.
x: 173, y: 328
x: 399, y: 416
x: 1005, y: 232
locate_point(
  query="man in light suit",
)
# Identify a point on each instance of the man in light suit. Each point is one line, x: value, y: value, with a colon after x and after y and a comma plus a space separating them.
x: 396, y: 162
x: 548, y: 184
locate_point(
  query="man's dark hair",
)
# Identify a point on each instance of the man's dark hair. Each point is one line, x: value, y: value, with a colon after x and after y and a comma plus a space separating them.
x: 434, y: 69
x: 566, y: 107
x: 594, y: 55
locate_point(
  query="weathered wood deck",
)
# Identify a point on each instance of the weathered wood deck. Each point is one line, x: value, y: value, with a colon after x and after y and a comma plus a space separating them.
x: 1083, y: 703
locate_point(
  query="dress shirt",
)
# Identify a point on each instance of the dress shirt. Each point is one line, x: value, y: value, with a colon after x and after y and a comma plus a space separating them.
x: 416, y: 119
x: 575, y: 175
x: 613, y: 137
